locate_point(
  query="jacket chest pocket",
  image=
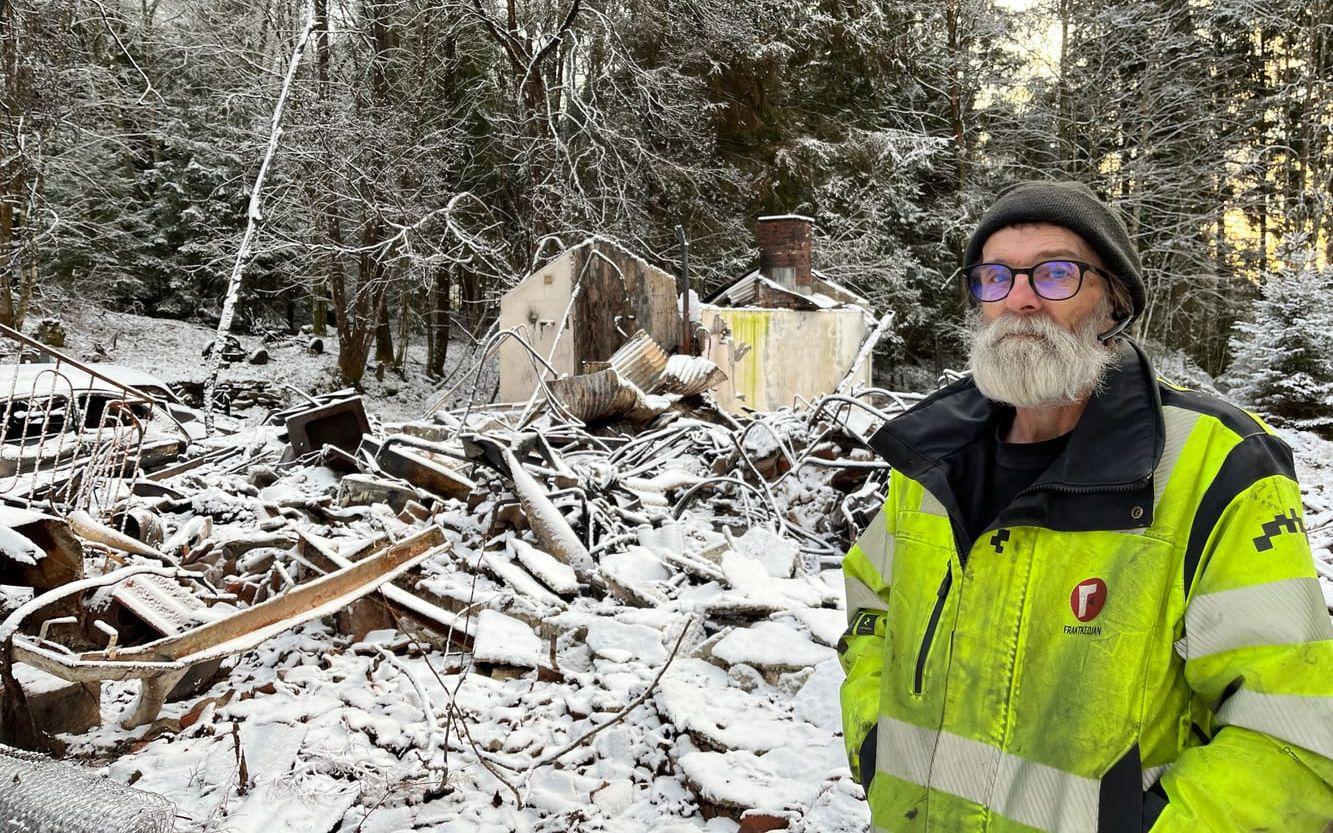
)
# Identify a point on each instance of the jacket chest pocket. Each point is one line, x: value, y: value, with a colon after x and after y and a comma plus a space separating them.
x: 924, y: 574
x: 1094, y: 615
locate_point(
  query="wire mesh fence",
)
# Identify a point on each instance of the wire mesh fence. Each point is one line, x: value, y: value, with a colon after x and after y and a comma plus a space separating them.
x: 45, y: 796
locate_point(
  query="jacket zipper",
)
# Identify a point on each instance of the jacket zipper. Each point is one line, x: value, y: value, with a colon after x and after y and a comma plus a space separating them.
x: 931, y: 626
x: 1080, y: 490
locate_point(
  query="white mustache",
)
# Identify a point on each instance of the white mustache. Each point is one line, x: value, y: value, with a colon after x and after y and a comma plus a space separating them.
x: 1030, y: 361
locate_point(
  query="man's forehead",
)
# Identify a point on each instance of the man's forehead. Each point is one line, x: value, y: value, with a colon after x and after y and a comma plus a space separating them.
x: 1032, y: 242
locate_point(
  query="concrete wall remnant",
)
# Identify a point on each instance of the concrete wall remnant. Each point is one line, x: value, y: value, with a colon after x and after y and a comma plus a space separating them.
x: 613, y: 294
x: 792, y: 353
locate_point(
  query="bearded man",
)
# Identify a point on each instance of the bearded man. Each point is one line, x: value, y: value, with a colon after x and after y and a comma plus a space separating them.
x: 1088, y: 604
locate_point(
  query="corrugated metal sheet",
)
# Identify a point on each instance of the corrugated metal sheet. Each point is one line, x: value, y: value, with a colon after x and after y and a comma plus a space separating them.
x: 605, y: 395
x: 641, y: 361
x: 690, y: 375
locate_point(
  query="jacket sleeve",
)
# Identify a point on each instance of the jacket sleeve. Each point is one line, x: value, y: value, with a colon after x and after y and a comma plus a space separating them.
x: 1258, y: 651
x: 866, y: 570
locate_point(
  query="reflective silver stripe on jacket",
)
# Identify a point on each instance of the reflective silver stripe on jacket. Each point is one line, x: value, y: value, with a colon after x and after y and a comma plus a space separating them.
x: 1304, y: 721
x: 877, y: 545
x: 1178, y: 424
x: 931, y: 505
x: 861, y: 597
x: 1285, y: 612
x: 1027, y: 792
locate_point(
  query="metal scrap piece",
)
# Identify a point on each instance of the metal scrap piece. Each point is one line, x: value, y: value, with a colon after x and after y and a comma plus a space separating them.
x: 606, y: 395
x: 419, y: 467
x: 161, y: 603
x: 44, y: 795
x: 342, y: 423
x: 690, y: 375
x: 455, y: 626
x: 89, y: 529
x: 640, y: 361
x: 556, y: 535
x: 63, y: 561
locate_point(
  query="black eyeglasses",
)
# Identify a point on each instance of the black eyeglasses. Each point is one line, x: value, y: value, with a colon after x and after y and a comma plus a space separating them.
x: 1054, y: 280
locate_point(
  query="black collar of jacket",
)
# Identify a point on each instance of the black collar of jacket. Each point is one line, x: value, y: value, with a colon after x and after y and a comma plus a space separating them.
x: 1103, y: 480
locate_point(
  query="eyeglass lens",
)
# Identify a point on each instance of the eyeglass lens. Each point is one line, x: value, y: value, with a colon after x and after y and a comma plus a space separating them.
x: 1054, y: 280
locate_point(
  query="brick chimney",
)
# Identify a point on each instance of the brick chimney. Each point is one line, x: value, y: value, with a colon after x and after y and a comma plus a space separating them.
x: 785, y: 245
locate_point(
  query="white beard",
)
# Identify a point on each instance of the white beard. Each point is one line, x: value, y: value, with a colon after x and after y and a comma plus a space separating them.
x: 1053, y: 366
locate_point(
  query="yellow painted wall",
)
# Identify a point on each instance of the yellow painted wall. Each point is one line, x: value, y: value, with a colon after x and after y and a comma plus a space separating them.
x: 793, y: 354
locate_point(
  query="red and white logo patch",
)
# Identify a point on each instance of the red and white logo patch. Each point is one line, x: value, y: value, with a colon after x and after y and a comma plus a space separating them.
x: 1088, y: 599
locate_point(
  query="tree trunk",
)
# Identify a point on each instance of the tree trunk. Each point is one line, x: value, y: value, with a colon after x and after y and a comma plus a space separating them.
x: 383, y: 331
x: 405, y: 298
x: 438, y: 325
x: 319, y: 317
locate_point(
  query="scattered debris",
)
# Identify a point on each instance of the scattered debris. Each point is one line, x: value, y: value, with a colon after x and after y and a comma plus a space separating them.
x: 321, y: 596
x: 37, y: 550
x: 341, y: 423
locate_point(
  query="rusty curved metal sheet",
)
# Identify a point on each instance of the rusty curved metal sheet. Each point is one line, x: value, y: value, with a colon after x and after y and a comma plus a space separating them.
x: 690, y: 375
x: 604, y: 395
x: 640, y: 361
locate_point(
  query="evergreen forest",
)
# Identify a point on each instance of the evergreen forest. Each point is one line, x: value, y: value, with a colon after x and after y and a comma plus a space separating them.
x: 430, y: 154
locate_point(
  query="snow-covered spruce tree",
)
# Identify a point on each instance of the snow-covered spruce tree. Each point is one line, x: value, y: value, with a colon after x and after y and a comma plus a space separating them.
x: 1282, y: 366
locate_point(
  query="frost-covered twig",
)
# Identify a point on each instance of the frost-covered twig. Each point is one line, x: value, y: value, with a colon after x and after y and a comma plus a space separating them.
x: 426, y: 709
x: 253, y: 217
x: 862, y: 355
x: 111, y: 30
x: 619, y: 716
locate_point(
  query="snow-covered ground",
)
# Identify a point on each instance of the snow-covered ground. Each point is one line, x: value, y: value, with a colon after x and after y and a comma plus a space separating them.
x: 1314, y: 469
x: 545, y: 726
x: 173, y: 351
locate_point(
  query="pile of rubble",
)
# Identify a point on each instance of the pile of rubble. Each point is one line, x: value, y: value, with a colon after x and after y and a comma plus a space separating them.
x: 615, y: 604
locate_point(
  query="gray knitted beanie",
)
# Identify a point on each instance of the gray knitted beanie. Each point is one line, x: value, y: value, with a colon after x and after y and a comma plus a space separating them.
x: 1074, y: 206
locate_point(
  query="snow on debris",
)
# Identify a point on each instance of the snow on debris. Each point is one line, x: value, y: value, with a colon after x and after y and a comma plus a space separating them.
x: 679, y: 678
x: 656, y: 653
x: 505, y: 640
x: 769, y: 646
x: 18, y: 548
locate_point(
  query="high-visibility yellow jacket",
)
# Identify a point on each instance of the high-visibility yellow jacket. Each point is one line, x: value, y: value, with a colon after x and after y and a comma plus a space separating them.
x: 1138, y: 642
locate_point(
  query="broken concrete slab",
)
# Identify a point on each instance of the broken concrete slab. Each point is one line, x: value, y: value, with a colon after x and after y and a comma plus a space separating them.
x: 61, y: 555
x: 635, y: 575
x: 506, y: 641
x: 770, y: 647
x: 54, y: 706
x: 697, y: 697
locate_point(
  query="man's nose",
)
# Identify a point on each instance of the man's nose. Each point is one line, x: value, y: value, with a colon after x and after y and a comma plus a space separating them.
x: 1022, y: 298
